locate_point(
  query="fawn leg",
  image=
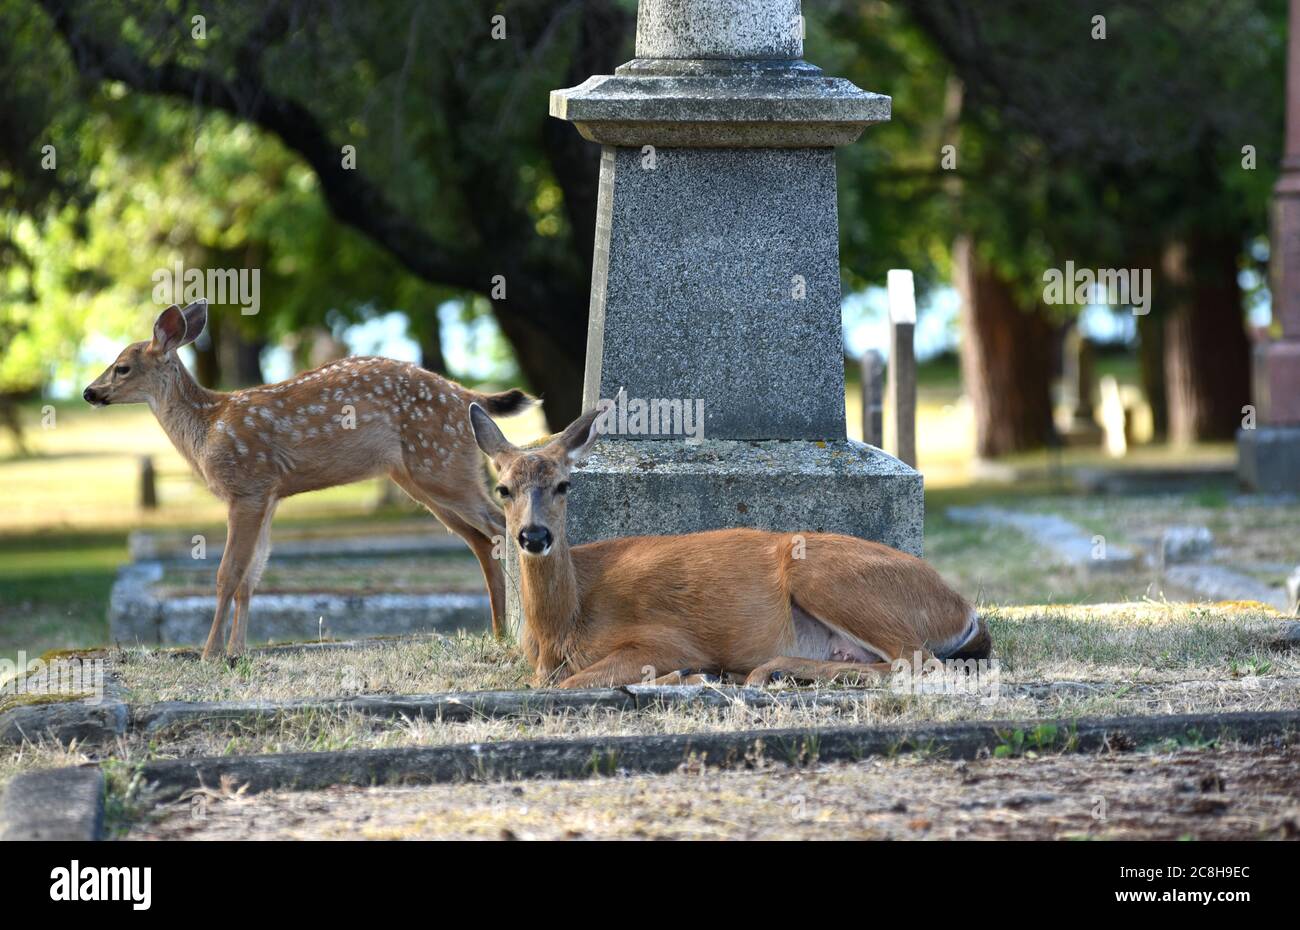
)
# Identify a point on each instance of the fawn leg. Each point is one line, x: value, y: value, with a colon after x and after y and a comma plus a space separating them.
x: 238, y: 641
x: 243, y: 524
x: 477, y: 528
x: 484, y: 551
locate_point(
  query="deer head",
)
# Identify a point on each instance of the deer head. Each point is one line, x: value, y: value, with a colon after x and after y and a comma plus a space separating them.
x: 532, y: 484
x: 143, y: 370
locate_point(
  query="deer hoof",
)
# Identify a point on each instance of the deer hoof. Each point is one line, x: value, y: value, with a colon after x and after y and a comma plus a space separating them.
x: 780, y: 676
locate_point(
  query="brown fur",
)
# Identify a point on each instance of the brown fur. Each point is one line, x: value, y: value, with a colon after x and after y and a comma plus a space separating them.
x: 632, y: 609
x: 256, y: 446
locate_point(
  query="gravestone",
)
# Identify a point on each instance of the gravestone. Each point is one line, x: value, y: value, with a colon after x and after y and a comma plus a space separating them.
x: 900, y: 388
x: 873, y: 397
x: 1079, y: 427
x: 716, y: 285
x: 1268, y: 448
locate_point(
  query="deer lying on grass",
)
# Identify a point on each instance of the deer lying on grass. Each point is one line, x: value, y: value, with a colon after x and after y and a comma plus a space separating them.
x: 737, y: 601
x: 346, y: 421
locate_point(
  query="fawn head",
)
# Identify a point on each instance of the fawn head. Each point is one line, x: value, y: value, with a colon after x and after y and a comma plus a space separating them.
x: 142, y: 369
x: 532, y: 483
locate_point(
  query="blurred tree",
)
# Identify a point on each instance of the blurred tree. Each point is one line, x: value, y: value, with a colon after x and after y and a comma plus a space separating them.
x: 438, y: 149
x: 1145, y: 135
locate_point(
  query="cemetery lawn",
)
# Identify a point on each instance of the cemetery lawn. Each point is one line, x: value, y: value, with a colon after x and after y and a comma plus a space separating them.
x: 1172, y: 792
x: 1054, y: 662
x: 1058, y: 662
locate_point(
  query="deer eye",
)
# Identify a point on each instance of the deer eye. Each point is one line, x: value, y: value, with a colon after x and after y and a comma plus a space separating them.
x: 121, y: 369
x: 503, y: 492
x: 562, y: 487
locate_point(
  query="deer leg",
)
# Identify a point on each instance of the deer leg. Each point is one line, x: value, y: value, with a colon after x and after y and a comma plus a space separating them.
x: 493, y: 574
x: 238, y: 641
x: 629, y: 665
x: 812, y: 670
x: 477, y: 525
x: 243, y: 524
x: 698, y: 676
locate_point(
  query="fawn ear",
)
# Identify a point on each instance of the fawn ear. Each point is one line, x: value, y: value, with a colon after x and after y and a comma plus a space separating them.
x: 169, y: 330
x: 487, y: 434
x: 580, y: 435
x: 196, y: 317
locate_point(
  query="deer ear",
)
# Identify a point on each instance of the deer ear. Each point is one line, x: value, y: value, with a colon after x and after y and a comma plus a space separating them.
x: 580, y: 435
x: 196, y: 317
x: 487, y: 434
x: 169, y: 330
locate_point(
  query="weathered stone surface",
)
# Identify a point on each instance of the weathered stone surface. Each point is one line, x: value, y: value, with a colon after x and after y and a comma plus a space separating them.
x: 586, y: 757
x: 136, y: 615
x: 64, y: 722
x: 1185, y: 543
x: 626, y: 489
x: 1067, y: 542
x: 1268, y: 459
x: 153, y: 546
x: 54, y: 804
x: 717, y: 278
x: 705, y: 104
x: 1219, y: 583
x: 719, y: 29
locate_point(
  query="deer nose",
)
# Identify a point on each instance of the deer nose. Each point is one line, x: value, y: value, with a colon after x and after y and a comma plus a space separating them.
x: 88, y: 395
x: 535, y: 539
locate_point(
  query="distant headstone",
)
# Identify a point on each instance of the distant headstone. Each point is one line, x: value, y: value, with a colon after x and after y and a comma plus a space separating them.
x: 901, y: 387
x: 1114, y: 418
x: 1268, y: 445
x: 873, y: 397
x: 148, y: 483
x: 1185, y: 544
x: 1079, y: 426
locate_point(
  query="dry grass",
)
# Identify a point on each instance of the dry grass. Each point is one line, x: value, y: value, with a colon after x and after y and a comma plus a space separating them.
x: 1128, y: 643
x: 1220, y: 793
x: 463, y: 662
x: 1060, y: 662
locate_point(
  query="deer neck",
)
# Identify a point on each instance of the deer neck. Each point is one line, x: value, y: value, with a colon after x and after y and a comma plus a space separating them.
x: 548, y: 592
x: 186, y: 410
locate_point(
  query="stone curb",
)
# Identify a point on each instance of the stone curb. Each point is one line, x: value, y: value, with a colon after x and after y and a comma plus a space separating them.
x: 54, y: 804
x: 92, y: 724
x: 96, y: 724
x: 581, y: 758
x: 88, y: 724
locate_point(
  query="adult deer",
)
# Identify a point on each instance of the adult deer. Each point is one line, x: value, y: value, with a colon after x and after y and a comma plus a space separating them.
x: 739, y: 601
x: 346, y: 421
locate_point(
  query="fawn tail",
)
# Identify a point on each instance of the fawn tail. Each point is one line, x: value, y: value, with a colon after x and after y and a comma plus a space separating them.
x: 506, y: 403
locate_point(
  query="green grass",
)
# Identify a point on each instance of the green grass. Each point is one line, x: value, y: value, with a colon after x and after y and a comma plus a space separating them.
x: 54, y: 589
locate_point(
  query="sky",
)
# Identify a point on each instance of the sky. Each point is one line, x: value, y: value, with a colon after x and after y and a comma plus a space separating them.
x: 468, y: 347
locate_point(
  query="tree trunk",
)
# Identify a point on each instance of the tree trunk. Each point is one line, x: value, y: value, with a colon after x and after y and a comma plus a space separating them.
x: 1151, y: 371
x: 207, y: 360
x: 1006, y: 359
x: 427, y: 329
x: 1207, y: 351
x: 241, y: 358
x: 552, y: 360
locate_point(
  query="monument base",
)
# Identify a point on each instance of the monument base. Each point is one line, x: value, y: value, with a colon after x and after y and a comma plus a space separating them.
x: 661, y: 488
x: 1268, y: 459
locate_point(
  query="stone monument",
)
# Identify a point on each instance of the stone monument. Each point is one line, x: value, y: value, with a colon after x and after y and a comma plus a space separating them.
x: 716, y: 287
x: 1269, y: 453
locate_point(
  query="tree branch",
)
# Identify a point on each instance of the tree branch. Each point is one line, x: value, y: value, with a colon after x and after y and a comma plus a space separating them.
x: 351, y: 197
